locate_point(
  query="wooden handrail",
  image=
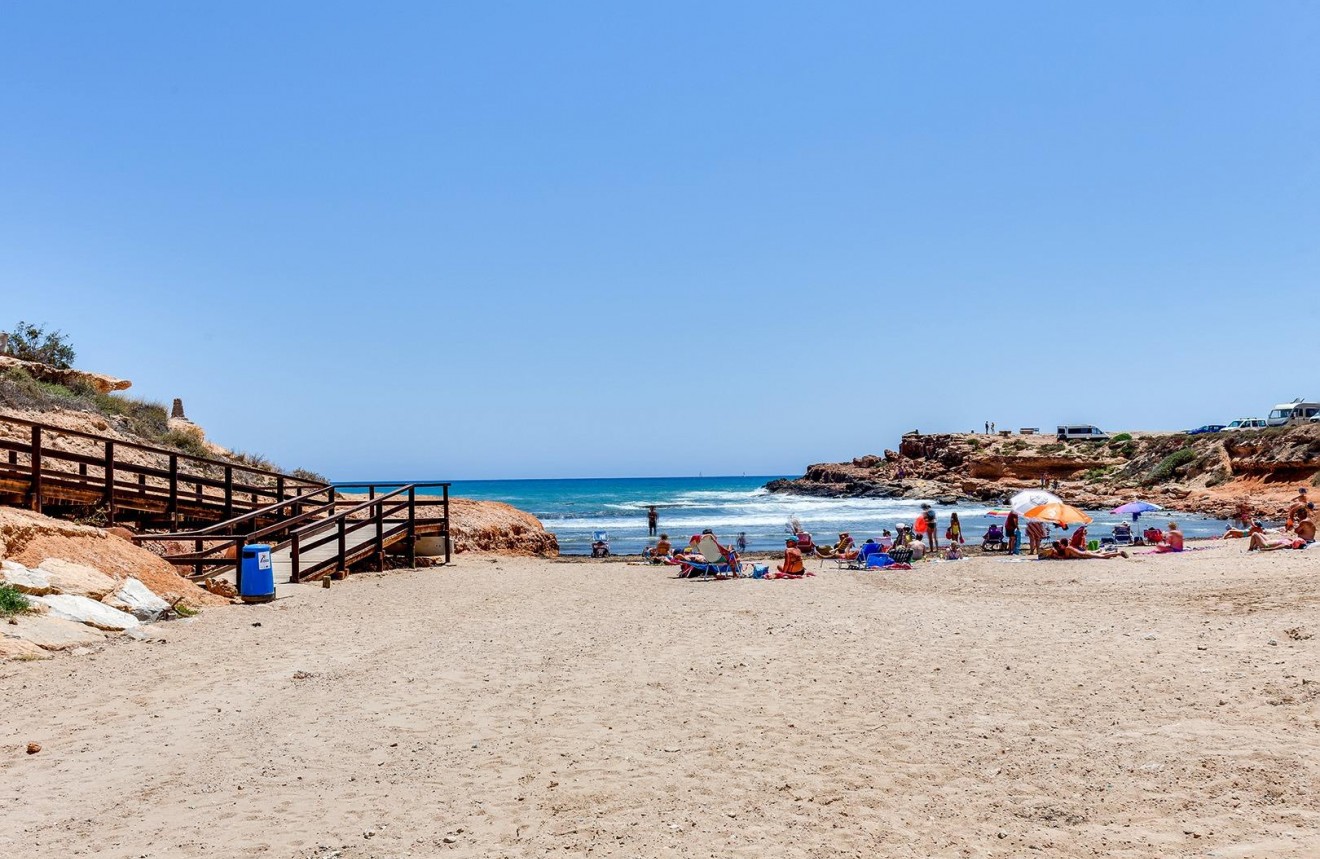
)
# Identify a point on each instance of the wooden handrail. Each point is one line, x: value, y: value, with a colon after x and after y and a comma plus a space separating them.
x: 211, y: 530
x: 161, y: 488
x: 153, y: 449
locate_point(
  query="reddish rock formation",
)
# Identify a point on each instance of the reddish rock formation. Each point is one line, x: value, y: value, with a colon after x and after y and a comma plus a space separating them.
x: 492, y: 526
x: 1209, y: 473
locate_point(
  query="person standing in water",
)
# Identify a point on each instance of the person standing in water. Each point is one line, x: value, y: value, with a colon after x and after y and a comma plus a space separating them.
x: 931, y: 536
x: 652, y: 519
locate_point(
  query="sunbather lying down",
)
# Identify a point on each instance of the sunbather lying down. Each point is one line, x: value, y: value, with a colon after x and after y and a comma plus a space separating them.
x: 1302, y: 536
x: 1060, y: 550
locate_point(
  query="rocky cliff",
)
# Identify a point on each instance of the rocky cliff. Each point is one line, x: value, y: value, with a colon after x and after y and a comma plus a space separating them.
x: 1209, y: 473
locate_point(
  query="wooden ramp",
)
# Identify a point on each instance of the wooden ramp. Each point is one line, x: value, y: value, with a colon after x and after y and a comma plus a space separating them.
x: 317, y: 533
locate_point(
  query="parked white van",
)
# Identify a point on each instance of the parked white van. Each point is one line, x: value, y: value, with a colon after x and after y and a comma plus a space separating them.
x: 1081, y: 433
x: 1246, y: 424
x: 1295, y: 412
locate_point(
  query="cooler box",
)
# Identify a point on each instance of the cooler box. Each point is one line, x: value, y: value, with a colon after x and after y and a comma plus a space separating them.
x: 256, y: 577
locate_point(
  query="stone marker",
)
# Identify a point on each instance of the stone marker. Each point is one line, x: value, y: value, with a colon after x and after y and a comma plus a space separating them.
x: 70, y: 578
x: 52, y: 633
x: 21, y: 579
x: 138, y: 600
x: 88, y: 611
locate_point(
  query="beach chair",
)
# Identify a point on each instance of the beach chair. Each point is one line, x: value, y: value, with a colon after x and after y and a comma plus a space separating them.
x: 994, y: 541
x: 715, y: 565
x: 1121, y: 536
x: 600, y: 545
x: 879, y: 560
x: 859, y: 562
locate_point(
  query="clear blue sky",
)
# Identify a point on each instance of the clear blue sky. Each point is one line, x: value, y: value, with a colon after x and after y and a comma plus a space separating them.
x: 574, y: 239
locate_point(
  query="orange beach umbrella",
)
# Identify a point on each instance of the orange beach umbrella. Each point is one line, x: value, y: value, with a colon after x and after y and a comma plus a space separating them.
x: 1058, y: 513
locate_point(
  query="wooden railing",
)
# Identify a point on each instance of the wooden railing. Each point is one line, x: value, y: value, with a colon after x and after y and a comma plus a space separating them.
x: 391, y: 516
x: 37, y: 462
x: 217, y: 547
x: 316, y: 520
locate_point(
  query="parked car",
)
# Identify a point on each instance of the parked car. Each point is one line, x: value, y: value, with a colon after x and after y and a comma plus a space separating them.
x: 1246, y: 424
x: 1206, y: 429
x: 1294, y: 412
x: 1081, y: 432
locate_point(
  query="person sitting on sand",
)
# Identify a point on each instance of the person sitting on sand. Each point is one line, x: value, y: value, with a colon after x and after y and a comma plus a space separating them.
x: 1072, y: 553
x: 1078, y: 540
x: 661, y: 550
x: 954, y: 552
x: 1173, y: 540
x: 886, y: 540
x: 792, y: 565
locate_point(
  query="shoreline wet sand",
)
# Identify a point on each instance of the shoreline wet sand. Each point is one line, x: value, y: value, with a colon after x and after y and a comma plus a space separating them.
x: 1162, y: 705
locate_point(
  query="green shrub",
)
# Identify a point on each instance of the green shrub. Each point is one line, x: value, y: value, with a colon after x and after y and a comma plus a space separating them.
x: 28, y: 342
x: 185, y: 442
x: 308, y: 474
x: 1120, y: 438
x: 1094, y: 474
x: 1168, y: 466
x: 12, y: 602
x: 1051, y: 448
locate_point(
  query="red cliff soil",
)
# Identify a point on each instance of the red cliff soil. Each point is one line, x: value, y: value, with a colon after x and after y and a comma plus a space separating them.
x: 29, y: 539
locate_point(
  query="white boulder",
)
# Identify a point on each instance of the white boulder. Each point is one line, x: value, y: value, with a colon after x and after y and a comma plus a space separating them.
x: 21, y: 579
x: 138, y: 600
x: 88, y: 611
x: 67, y: 577
x: 52, y: 633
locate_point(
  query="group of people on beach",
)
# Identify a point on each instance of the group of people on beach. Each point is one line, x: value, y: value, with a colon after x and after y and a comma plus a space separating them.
x: 1298, y: 531
x: 921, y: 540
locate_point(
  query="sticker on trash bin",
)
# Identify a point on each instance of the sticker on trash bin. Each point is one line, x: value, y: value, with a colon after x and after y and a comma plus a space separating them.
x: 263, y: 560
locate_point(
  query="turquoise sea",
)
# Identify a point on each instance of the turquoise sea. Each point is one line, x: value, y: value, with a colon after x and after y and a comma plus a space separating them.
x: 575, y: 509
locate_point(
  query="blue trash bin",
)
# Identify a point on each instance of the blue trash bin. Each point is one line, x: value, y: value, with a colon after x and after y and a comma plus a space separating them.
x: 256, y: 577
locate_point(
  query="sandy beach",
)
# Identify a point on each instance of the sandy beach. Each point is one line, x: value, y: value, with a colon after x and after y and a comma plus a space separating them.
x: 1160, y: 706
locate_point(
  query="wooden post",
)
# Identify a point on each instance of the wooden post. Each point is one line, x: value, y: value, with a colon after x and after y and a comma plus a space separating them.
x: 238, y: 562
x: 173, y: 507
x: 446, y: 534
x: 380, y: 528
x: 412, y: 527
x: 343, y: 547
x: 229, y: 491
x: 109, y: 498
x: 279, y: 490
x: 294, y: 575
x: 197, y: 549
x: 36, y: 469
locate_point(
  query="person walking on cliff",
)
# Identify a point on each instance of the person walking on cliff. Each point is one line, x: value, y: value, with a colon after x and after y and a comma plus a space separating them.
x: 652, y: 519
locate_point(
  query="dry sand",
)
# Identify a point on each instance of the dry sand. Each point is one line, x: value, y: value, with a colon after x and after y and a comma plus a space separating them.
x: 516, y: 707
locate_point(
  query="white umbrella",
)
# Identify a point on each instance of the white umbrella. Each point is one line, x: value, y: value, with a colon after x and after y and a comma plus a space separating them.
x: 1029, y: 498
